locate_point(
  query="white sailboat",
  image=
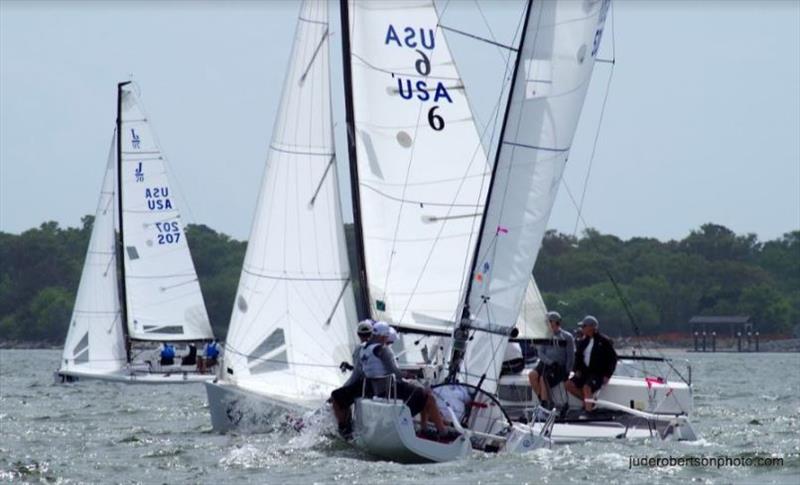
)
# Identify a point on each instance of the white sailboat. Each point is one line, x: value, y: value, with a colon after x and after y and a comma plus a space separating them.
x: 556, y: 53
x: 123, y: 310
x: 293, y: 320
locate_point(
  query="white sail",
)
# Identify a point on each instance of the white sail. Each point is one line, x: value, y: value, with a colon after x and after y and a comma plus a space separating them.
x: 164, y: 301
x: 95, y: 340
x: 422, y: 172
x: 532, y: 319
x: 557, y: 54
x: 293, y: 320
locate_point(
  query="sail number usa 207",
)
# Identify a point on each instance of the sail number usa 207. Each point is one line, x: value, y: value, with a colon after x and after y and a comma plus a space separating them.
x: 423, y: 42
x: 168, y: 232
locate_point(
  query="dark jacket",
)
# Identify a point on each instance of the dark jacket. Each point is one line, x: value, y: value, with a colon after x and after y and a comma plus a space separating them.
x: 603, y: 360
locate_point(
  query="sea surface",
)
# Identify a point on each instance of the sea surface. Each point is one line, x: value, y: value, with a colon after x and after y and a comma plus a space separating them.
x: 746, y: 405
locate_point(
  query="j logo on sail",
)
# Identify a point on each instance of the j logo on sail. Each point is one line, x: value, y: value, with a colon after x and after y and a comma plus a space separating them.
x: 135, y: 140
x: 139, y: 173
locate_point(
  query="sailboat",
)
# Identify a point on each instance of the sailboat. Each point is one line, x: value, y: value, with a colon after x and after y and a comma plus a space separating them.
x: 293, y: 321
x: 138, y: 287
x: 554, y: 61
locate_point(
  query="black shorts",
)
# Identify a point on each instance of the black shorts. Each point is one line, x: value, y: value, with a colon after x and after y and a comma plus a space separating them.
x: 554, y: 374
x: 413, y: 395
x: 594, y: 382
x: 513, y: 366
x: 345, y: 396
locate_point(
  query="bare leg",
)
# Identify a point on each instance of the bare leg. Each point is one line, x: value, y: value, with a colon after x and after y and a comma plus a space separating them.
x: 433, y: 413
x: 533, y: 379
x: 342, y: 415
x: 544, y: 389
x: 587, y: 394
x: 573, y: 389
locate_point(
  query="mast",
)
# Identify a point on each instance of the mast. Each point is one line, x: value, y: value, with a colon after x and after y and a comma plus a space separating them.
x: 461, y: 333
x: 121, y: 251
x: 362, y: 296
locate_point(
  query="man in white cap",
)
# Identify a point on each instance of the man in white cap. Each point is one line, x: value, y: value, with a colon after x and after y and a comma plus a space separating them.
x: 595, y: 361
x: 378, y: 364
x: 343, y: 397
x: 556, y: 360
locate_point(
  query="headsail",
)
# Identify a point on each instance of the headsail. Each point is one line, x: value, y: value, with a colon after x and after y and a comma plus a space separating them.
x: 557, y: 52
x: 293, y: 320
x: 95, y: 337
x: 532, y: 319
x: 164, y: 301
x: 421, y: 169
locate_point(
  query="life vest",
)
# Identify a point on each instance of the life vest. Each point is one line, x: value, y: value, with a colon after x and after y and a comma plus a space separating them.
x: 371, y: 364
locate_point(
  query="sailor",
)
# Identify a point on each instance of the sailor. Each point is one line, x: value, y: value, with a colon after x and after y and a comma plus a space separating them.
x: 513, y: 363
x: 380, y: 366
x: 191, y: 357
x: 210, y: 356
x: 167, y: 354
x: 595, y: 361
x: 343, y: 397
x: 392, y: 336
x: 556, y: 360
x: 453, y: 397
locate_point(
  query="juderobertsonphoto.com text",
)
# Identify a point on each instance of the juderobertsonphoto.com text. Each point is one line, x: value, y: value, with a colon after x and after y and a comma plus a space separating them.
x: 703, y: 461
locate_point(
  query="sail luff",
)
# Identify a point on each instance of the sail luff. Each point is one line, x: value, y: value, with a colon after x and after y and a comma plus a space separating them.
x: 358, y: 269
x: 121, y: 244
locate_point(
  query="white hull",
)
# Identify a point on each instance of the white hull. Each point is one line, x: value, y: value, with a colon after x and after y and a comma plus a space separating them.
x: 672, y: 398
x: 242, y: 410
x: 126, y: 376
x: 385, y: 428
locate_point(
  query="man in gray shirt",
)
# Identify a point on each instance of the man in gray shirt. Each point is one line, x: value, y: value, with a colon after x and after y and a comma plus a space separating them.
x: 556, y: 360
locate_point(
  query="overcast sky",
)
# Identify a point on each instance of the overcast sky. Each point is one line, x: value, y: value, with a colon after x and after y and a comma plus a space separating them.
x: 702, y: 121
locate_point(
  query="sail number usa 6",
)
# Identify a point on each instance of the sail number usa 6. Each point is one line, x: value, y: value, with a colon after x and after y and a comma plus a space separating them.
x: 419, y: 40
x: 168, y: 232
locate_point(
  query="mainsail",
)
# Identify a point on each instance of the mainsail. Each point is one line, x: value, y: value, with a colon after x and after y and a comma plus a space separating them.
x: 421, y: 172
x: 163, y: 298
x: 95, y: 339
x: 558, y: 46
x: 294, y: 318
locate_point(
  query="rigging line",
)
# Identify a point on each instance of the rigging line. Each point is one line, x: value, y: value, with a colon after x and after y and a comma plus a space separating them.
x: 534, y: 147
x: 176, y: 285
x: 411, y: 75
x: 288, y: 278
x: 594, y: 148
x: 314, y: 55
x: 489, y: 28
x: 272, y: 146
x: 418, y: 202
x: 321, y: 180
x: 338, y: 300
x: 476, y: 37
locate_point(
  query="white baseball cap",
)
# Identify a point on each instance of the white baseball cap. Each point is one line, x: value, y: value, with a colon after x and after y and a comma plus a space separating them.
x: 381, y: 329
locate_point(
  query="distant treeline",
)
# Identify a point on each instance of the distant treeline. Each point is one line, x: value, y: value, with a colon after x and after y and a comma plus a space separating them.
x: 712, y: 271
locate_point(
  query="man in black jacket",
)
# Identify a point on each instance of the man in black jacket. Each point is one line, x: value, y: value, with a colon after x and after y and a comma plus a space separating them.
x: 595, y: 361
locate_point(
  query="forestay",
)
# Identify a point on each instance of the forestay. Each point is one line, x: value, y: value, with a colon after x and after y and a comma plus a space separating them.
x: 95, y: 340
x: 294, y: 319
x: 163, y: 295
x: 422, y: 172
x: 559, y: 45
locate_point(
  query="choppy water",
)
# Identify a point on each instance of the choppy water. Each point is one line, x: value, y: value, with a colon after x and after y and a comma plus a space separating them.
x: 746, y: 405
